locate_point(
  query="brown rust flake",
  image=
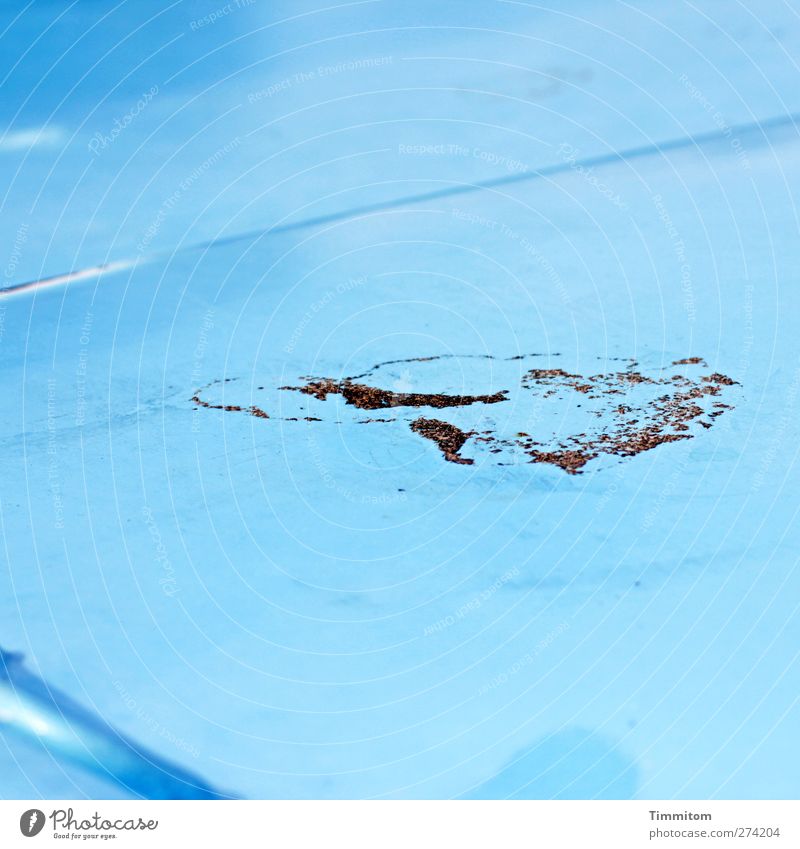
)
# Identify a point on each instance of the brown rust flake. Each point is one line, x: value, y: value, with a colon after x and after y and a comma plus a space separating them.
x: 547, y: 374
x: 372, y: 398
x: 448, y: 437
x: 229, y: 408
x: 570, y: 461
x: 719, y: 379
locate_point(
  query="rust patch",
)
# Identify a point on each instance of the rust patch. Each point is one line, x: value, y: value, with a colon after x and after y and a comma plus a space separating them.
x: 229, y: 408
x: 690, y: 361
x: 449, y: 438
x: 547, y: 373
x: 626, y: 428
x: 372, y: 398
x: 635, y: 429
x: 570, y: 461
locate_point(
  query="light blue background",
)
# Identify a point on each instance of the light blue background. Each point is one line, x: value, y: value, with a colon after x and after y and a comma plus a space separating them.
x: 629, y: 632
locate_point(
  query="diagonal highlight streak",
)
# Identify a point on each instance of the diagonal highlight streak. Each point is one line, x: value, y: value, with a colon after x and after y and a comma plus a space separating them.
x: 598, y: 160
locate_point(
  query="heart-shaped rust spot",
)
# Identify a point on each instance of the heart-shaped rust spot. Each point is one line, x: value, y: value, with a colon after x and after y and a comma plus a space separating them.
x: 623, y: 412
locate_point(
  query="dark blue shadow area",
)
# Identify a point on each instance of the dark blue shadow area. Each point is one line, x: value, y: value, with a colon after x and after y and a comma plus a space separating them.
x: 70, y: 733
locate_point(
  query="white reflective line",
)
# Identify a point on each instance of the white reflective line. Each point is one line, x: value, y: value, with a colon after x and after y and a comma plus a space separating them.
x: 70, y: 277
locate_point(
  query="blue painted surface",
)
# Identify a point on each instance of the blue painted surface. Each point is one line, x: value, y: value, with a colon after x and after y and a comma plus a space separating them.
x: 328, y: 609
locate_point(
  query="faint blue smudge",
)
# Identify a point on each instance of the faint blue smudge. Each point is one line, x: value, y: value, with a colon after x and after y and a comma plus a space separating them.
x: 571, y: 764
